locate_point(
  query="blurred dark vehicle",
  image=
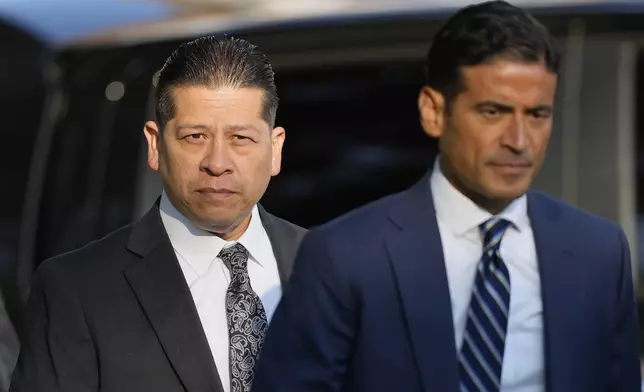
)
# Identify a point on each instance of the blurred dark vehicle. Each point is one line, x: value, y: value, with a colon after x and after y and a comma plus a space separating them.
x: 348, y: 89
x: 23, y: 85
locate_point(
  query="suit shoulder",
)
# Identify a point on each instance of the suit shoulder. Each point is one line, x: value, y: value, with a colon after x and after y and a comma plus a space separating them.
x: 285, y: 223
x: 353, y: 241
x: 575, y: 216
x: 288, y: 229
x: 94, y: 253
x: 364, y: 219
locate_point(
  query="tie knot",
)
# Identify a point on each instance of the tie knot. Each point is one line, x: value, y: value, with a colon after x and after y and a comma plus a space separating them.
x: 235, y: 258
x: 492, y: 231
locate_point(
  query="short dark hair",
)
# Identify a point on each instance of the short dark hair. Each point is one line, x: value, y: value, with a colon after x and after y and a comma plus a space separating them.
x: 480, y: 33
x: 216, y: 62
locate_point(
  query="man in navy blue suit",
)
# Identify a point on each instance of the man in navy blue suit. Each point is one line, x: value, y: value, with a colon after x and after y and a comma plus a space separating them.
x: 468, y: 281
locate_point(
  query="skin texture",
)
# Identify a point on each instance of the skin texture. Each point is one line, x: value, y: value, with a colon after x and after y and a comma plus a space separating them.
x: 494, y: 137
x: 216, y: 156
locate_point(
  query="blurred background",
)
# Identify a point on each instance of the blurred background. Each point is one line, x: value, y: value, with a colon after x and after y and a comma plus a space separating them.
x: 77, y: 76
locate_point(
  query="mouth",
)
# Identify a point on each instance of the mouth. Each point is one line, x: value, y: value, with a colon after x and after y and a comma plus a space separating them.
x: 511, y: 168
x: 216, y: 193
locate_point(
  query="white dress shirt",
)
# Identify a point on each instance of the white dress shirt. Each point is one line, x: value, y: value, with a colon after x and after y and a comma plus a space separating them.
x: 208, y: 277
x: 458, y: 221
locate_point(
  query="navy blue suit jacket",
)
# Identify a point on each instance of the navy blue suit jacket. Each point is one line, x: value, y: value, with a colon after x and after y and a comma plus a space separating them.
x: 368, y: 306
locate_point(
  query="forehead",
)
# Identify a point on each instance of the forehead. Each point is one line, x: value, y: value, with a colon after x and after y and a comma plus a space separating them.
x: 512, y: 82
x: 204, y: 102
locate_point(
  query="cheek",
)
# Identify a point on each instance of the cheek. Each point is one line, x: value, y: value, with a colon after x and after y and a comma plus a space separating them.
x: 255, y: 170
x: 540, y: 141
x: 178, y: 167
x: 264, y: 165
x: 464, y: 147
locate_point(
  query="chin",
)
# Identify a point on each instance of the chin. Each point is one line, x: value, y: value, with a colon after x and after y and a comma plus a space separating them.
x: 220, y: 220
x: 217, y: 217
x: 217, y: 225
x: 508, y: 188
x: 507, y: 193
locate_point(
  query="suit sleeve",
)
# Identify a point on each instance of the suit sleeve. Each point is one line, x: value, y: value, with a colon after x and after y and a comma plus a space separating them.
x: 308, y: 344
x: 57, y: 353
x: 625, y: 376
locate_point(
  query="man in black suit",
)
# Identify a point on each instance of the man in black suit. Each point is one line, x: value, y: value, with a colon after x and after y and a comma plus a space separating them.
x: 166, y: 304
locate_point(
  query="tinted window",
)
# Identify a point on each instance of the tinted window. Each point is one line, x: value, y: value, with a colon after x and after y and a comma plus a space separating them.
x: 90, y: 181
x: 22, y: 93
x: 353, y: 135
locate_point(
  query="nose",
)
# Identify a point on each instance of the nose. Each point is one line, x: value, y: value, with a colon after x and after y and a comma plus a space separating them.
x: 217, y: 160
x: 516, y: 137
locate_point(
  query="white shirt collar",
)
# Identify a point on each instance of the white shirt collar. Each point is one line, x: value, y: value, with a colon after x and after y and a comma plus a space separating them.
x: 462, y: 215
x: 199, y: 247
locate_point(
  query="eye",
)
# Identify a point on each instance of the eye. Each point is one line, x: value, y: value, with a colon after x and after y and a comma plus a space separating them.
x: 195, y: 137
x: 541, y: 114
x: 241, y: 140
x: 490, y: 112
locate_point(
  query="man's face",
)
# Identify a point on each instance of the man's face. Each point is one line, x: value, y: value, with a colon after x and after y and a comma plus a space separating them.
x: 216, y: 156
x: 494, y: 138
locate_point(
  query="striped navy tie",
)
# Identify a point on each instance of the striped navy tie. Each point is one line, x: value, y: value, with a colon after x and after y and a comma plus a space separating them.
x: 481, y: 355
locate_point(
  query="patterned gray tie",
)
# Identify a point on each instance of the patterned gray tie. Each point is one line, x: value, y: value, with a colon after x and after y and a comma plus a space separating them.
x: 246, y: 319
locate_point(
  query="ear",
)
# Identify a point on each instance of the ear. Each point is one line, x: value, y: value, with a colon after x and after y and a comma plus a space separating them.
x: 153, y: 136
x: 278, y: 135
x: 431, y: 105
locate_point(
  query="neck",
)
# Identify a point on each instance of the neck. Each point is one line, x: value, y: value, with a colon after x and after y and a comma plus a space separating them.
x: 493, y: 206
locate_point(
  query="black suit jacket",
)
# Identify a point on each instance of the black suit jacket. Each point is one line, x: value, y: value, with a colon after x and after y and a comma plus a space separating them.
x: 117, y: 315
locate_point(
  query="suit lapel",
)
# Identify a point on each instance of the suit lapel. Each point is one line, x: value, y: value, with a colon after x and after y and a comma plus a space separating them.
x: 285, y: 240
x: 159, y: 285
x: 558, y: 269
x: 416, y: 255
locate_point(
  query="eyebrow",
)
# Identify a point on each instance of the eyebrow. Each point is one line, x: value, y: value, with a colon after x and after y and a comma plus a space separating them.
x: 203, y: 127
x: 541, y: 108
x: 200, y: 127
x: 495, y: 105
x: 508, y: 108
x: 241, y: 127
